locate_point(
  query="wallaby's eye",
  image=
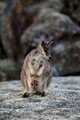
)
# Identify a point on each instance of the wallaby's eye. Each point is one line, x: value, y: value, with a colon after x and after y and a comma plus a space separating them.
x: 32, y: 84
x: 46, y: 51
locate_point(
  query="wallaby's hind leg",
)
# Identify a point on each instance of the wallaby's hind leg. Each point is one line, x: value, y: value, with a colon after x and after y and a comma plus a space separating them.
x: 43, y: 94
x: 25, y: 94
x: 44, y: 90
x: 24, y: 83
x: 46, y: 85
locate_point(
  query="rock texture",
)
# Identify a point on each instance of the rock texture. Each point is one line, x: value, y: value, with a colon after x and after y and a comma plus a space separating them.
x: 61, y: 103
x: 72, y: 8
x: 2, y: 76
x: 10, y: 32
x: 8, y: 66
x: 55, y: 26
x: 57, y: 20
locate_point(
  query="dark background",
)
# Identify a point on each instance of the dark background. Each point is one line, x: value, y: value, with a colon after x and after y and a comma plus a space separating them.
x: 26, y: 23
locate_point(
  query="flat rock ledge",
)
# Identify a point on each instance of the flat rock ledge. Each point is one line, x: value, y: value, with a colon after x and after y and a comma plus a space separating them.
x: 62, y: 101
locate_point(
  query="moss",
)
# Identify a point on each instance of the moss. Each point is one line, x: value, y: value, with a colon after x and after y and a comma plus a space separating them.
x: 70, y: 9
x: 25, y: 2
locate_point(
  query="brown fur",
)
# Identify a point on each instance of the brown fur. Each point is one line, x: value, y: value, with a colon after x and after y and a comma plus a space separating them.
x: 24, y: 95
x: 36, y: 67
x: 43, y: 94
x: 16, y: 23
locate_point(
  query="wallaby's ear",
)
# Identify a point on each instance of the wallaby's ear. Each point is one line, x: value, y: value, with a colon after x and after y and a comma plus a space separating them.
x: 42, y: 43
x: 50, y: 42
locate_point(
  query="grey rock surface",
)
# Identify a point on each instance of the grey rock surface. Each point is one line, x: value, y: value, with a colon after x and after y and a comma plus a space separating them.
x: 6, y: 8
x: 8, y: 67
x: 62, y: 101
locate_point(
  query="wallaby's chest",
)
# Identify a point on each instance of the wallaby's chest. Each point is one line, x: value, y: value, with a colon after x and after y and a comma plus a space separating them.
x: 37, y: 62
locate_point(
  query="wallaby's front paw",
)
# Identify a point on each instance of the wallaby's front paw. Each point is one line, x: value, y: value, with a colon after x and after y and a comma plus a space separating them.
x: 32, y: 73
x: 43, y: 94
x: 24, y: 95
x: 38, y: 74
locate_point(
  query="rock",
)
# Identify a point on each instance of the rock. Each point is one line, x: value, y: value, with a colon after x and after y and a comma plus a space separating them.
x: 76, y: 16
x: 72, y: 8
x: 4, y: 38
x: 66, y: 57
x: 54, y: 4
x: 30, y: 2
x: 5, y: 8
x: 2, y: 77
x: 2, y: 7
x: 10, y: 68
x: 51, y: 25
x: 60, y: 24
x: 15, y: 28
x: 2, y: 51
x: 11, y: 30
x: 62, y: 101
x: 6, y: 5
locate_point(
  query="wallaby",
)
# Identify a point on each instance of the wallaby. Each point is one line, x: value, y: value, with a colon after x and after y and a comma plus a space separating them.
x: 36, y: 72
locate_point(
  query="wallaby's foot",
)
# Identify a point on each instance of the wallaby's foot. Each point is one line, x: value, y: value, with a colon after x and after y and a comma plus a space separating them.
x: 43, y: 94
x: 25, y: 94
